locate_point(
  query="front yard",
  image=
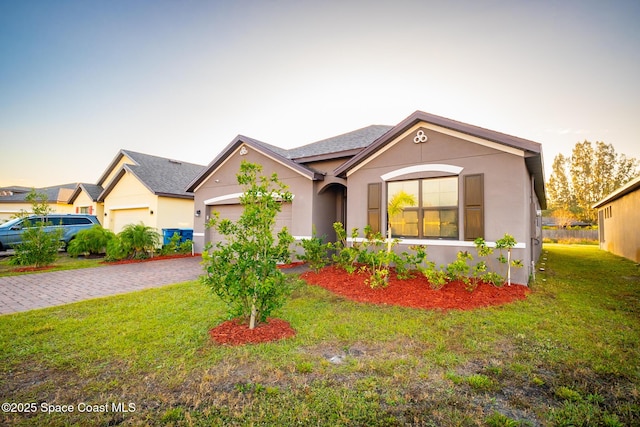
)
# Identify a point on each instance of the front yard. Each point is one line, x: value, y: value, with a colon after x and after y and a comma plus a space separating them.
x: 567, y: 355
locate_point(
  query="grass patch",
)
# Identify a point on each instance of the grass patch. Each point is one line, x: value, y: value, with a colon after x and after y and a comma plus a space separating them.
x: 63, y: 262
x: 568, y: 355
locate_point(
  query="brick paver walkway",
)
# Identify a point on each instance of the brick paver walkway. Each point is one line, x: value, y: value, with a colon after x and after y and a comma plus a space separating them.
x: 30, y: 291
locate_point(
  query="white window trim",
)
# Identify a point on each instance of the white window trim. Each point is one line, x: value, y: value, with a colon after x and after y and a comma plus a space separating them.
x: 428, y: 167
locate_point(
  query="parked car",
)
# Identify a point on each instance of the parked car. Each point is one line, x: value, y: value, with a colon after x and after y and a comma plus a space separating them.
x: 11, y: 231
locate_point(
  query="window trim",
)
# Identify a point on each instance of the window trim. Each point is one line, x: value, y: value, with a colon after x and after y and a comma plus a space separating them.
x: 422, y: 209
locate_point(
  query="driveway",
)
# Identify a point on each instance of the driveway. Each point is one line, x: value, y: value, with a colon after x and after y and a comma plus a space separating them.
x: 31, y: 291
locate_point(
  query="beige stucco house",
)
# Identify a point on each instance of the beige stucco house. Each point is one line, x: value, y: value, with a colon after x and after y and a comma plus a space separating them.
x: 618, y: 216
x: 138, y: 187
x: 13, y: 200
x: 468, y: 182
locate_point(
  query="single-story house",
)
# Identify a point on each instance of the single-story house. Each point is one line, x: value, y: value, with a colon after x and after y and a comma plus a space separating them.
x: 618, y: 216
x: 13, y: 200
x: 138, y: 187
x: 85, y: 200
x: 467, y: 181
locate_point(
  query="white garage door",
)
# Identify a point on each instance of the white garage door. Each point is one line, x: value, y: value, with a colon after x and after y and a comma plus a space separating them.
x: 233, y: 213
x: 122, y: 217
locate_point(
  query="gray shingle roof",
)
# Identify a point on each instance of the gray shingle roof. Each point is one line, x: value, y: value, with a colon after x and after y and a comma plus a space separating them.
x: 354, y: 140
x: 52, y: 193
x: 162, y: 176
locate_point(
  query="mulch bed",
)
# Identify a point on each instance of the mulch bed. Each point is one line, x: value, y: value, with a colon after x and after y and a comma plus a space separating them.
x: 236, y: 332
x: 415, y: 293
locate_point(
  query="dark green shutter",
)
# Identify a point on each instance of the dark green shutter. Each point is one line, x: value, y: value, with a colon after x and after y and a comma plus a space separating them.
x: 473, y: 206
x: 374, y: 194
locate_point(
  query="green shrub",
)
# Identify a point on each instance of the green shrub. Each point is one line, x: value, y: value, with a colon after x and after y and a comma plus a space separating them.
x: 134, y: 241
x: 175, y: 246
x: 316, y: 252
x: 346, y: 255
x: 38, y: 248
x: 91, y: 241
x: 242, y: 270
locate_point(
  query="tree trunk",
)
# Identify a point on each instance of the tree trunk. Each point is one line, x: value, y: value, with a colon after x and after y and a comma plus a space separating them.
x: 254, y: 313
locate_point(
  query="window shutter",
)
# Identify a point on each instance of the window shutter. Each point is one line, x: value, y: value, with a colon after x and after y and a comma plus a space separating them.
x: 374, y: 194
x: 77, y: 209
x: 90, y: 210
x: 473, y: 206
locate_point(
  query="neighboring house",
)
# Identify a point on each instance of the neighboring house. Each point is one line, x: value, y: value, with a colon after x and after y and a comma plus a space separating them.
x: 13, y: 200
x: 139, y: 187
x: 468, y: 182
x: 85, y: 200
x: 618, y: 216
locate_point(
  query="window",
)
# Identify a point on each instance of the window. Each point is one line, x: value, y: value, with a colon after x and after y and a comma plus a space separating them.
x: 430, y: 208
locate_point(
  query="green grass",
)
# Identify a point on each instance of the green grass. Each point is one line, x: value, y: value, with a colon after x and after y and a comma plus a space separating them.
x: 63, y: 262
x: 567, y: 355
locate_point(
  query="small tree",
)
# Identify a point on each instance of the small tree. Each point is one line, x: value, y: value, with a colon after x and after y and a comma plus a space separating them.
x: 38, y: 247
x: 242, y: 269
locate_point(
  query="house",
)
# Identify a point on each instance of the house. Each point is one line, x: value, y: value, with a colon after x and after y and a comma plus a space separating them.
x: 13, y: 200
x: 618, y: 215
x: 467, y: 182
x: 138, y: 187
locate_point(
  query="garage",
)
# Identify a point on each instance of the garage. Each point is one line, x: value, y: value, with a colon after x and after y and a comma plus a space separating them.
x: 122, y: 217
x: 233, y: 213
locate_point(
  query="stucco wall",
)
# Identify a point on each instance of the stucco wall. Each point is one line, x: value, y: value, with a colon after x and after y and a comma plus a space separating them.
x: 223, y: 182
x: 129, y: 193
x: 507, y: 203
x: 621, y: 233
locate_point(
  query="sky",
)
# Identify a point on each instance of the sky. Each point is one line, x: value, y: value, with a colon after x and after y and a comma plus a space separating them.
x: 80, y: 80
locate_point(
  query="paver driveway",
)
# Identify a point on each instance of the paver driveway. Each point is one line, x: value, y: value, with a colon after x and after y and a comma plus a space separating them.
x: 30, y: 291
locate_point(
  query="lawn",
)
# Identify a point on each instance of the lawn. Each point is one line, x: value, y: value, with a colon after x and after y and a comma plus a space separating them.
x: 63, y: 262
x: 567, y: 355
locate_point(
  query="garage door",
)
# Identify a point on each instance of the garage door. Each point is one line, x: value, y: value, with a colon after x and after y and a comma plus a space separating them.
x: 122, y: 217
x: 233, y: 213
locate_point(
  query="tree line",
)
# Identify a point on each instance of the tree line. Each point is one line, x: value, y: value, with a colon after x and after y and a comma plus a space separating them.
x: 590, y: 173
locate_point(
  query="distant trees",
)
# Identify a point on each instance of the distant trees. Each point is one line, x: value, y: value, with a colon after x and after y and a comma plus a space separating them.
x: 588, y: 175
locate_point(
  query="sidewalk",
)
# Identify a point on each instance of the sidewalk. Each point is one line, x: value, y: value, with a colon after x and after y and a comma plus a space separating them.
x: 31, y: 291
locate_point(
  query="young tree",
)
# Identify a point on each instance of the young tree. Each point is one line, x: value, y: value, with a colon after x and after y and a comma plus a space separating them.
x: 242, y: 269
x: 39, y: 247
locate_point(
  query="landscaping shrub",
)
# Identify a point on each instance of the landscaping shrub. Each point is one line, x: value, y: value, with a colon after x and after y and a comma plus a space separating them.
x: 38, y: 248
x: 134, y: 241
x: 92, y: 241
x: 175, y: 246
x: 242, y: 269
x: 316, y: 252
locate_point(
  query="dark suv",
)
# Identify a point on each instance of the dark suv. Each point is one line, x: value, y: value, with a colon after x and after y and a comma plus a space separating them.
x: 11, y: 231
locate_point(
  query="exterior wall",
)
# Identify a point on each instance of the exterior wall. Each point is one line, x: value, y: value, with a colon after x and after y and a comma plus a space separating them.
x: 507, y: 189
x: 84, y: 201
x: 618, y: 231
x: 115, y: 169
x: 223, y: 182
x: 174, y: 213
x: 129, y: 193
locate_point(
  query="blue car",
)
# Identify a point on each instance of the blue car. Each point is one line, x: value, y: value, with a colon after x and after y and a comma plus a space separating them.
x: 11, y: 231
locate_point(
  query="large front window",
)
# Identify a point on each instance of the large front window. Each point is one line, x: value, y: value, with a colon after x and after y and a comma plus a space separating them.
x: 424, y: 208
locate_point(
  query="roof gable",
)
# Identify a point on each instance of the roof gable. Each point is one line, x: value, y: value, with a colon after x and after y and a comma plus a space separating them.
x: 279, y: 155
x: 162, y: 176
x: 345, y: 145
x: 629, y: 187
x: 532, y: 151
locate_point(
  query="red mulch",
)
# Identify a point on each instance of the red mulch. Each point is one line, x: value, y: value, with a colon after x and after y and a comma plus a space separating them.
x: 290, y: 265
x: 235, y: 332
x: 414, y: 292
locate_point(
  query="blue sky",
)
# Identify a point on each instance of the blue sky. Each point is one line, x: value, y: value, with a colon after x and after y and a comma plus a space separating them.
x: 80, y: 80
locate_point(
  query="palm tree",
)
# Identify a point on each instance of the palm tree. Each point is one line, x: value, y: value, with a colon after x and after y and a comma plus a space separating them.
x: 140, y: 238
x: 396, y: 205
